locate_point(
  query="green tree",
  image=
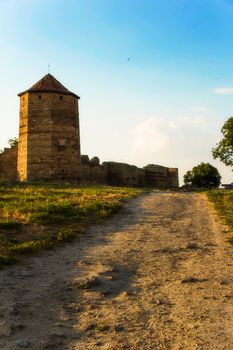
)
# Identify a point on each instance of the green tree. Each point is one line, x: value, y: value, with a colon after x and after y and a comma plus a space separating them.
x: 224, y: 149
x: 203, y: 175
x: 13, y: 142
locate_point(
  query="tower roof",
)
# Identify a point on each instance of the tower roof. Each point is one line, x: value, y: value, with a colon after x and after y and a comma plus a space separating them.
x: 49, y: 84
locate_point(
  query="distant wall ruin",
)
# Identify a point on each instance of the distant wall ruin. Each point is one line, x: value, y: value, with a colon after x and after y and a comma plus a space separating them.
x: 122, y: 174
x: 161, y: 177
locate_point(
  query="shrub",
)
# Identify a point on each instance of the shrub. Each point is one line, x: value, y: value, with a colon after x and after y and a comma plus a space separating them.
x: 203, y: 175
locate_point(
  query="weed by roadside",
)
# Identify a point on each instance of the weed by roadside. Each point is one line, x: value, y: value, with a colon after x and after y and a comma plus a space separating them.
x: 223, y: 203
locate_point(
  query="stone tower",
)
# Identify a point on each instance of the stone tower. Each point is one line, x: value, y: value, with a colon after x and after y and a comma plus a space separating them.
x: 49, y: 139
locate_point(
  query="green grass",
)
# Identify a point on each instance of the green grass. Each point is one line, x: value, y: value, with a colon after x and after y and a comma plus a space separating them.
x: 34, y: 217
x: 223, y: 203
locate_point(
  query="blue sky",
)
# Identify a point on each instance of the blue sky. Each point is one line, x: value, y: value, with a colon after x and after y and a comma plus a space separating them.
x: 155, y: 77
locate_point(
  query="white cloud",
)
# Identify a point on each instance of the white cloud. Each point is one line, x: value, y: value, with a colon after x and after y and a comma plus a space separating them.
x: 169, y: 137
x: 177, y: 142
x: 224, y: 90
x: 149, y: 134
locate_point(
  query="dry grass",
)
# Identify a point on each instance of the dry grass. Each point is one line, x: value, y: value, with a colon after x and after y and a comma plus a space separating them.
x: 33, y: 217
x: 223, y: 203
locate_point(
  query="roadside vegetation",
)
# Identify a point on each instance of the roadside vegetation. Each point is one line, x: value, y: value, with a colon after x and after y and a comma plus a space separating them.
x: 38, y: 216
x: 223, y: 203
x: 202, y: 176
x: 224, y: 148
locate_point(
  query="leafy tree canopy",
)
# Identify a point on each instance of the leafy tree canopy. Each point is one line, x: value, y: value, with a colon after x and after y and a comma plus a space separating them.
x: 13, y: 142
x: 203, y: 175
x: 224, y: 149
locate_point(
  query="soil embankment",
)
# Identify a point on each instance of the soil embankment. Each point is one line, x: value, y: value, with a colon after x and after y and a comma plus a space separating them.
x: 156, y: 276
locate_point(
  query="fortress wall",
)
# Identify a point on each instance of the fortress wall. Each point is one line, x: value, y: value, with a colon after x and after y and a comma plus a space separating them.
x: 98, y: 175
x: 110, y: 173
x: 23, y: 139
x: 8, y: 164
x: 122, y: 174
x: 161, y: 177
x: 173, y: 178
x: 92, y: 172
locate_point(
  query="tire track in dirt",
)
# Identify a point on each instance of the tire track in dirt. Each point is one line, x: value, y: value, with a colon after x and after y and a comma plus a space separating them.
x: 156, y: 276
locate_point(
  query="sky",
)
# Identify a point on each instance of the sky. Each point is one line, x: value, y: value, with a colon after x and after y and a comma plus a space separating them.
x: 155, y: 77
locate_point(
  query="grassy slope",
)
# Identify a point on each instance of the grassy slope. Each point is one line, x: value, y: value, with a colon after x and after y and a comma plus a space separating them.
x: 54, y: 213
x: 223, y: 203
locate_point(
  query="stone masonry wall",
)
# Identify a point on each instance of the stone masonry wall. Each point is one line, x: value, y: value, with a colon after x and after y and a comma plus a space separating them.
x: 23, y: 139
x: 92, y: 172
x: 173, y: 178
x: 122, y: 174
x: 161, y: 177
x: 8, y: 164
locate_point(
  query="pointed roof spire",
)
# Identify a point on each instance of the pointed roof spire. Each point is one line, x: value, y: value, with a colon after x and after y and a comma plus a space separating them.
x: 49, y: 84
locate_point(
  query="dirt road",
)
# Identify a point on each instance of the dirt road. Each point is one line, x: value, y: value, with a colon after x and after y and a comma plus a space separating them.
x: 159, y: 275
